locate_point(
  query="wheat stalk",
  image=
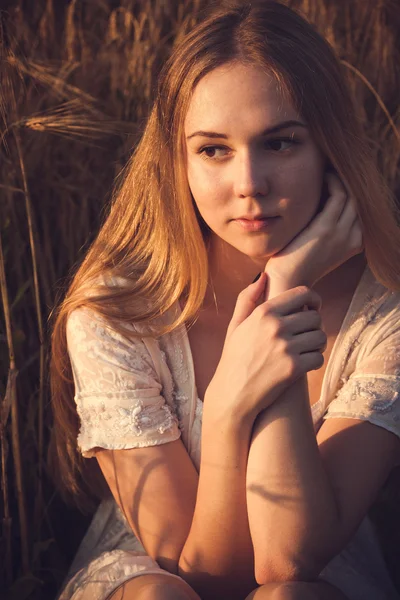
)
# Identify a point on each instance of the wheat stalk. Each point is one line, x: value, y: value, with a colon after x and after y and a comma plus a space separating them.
x: 5, y: 406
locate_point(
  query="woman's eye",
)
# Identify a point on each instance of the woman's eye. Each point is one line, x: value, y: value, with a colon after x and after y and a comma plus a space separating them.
x: 280, y: 144
x: 213, y: 152
x: 221, y: 152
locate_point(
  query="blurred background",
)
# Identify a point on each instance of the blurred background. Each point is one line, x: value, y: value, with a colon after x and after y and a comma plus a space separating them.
x: 76, y: 82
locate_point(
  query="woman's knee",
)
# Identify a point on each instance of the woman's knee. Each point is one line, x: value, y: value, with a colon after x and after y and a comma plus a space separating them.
x: 154, y: 587
x: 163, y: 591
x: 293, y: 590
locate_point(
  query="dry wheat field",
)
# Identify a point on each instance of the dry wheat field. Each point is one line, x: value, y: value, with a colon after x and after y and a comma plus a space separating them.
x: 77, y: 78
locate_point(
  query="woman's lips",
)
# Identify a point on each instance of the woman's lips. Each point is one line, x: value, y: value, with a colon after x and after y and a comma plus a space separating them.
x: 256, y: 224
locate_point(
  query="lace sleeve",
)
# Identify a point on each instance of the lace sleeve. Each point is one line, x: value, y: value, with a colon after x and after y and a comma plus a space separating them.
x: 117, y: 391
x: 371, y: 393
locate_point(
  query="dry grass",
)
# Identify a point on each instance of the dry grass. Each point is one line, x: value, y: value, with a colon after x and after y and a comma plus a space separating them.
x: 76, y: 83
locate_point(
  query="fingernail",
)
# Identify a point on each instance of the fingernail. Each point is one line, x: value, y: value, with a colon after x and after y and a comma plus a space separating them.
x: 257, y: 277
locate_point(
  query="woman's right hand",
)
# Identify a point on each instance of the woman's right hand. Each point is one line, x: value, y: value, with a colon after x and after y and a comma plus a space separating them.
x: 268, y: 346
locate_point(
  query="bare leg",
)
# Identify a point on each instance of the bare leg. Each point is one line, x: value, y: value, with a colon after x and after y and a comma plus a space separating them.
x: 154, y: 587
x: 319, y: 590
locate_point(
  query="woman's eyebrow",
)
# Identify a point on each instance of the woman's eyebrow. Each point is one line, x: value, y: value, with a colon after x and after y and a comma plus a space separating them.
x: 268, y: 131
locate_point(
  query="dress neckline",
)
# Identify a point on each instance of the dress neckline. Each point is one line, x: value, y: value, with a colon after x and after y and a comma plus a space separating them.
x: 358, y: 295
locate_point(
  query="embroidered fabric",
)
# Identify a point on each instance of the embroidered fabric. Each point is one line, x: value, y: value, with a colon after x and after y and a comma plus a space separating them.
x: 370, y: 382
x: 133, y: 393
x: 117, y: 391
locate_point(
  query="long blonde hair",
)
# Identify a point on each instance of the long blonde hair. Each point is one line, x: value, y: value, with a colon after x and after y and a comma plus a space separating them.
x: 154, y: 242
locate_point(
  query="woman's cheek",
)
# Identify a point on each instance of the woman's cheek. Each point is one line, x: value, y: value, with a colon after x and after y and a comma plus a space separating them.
x: 205, y: 187
x: 306, y: 188
x: 198, y: 182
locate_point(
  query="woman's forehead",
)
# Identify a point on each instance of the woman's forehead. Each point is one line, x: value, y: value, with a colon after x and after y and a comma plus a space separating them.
x: 238, y: 95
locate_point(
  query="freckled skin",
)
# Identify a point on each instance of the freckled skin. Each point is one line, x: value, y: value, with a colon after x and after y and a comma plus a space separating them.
x: 249, y: 172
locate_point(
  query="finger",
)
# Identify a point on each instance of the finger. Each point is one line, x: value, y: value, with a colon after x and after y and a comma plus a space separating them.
x: 356, y: 238
x: 308, y: 320
x: 311, y: 361
x: 348, y: 216
x: 335, y: 184
x: 337, y: 198
x: 293, y: 300
x: 310, y: 341
x: 247, y: 302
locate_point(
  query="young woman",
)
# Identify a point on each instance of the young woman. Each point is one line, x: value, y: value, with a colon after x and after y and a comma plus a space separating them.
x: 252, y: 164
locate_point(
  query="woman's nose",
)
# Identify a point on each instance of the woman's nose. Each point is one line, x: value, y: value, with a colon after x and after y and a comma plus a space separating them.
x: 250, y: 178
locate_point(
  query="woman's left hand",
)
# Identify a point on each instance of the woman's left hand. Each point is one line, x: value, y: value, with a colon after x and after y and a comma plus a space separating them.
x: 332, y: 237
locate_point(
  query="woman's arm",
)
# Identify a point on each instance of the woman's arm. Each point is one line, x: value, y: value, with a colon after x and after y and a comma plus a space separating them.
x: 218, y: 558
x: 292, y: 508
x: 199, y: 528
x: 127, y: 424
x: 194, y: 526
x: 219, y: 542
x: 306, y: 496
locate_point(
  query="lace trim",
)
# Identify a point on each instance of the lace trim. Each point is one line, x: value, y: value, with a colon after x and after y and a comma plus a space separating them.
x: 370, y: 313
x: 172, y: 355
x: 368, y: 395
x: 105, y: 443
x: 119, y: 427
x: 84, y: 399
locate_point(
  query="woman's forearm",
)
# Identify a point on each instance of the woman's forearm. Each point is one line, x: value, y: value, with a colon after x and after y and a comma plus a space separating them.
x: 291, y: 505
x: 217, y: 559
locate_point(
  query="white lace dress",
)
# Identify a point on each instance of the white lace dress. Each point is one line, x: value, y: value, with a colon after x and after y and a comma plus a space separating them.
x: 132, y: 394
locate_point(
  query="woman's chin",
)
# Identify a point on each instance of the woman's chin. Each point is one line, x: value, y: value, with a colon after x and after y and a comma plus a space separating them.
x: 260, y: 253
x: 258, y: 250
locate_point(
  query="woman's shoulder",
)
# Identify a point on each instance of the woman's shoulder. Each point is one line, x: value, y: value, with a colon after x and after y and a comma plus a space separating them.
x: 366, y: 373
x: 120, y: 300
x: 374, y: 305
x: 373, y: 326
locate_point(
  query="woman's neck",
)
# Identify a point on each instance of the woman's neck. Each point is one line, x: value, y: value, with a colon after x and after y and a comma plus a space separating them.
x: 231, y: 271
x: 341, y: 281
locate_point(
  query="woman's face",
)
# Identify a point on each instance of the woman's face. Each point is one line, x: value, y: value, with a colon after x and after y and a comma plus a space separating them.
x: 250, y: 155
